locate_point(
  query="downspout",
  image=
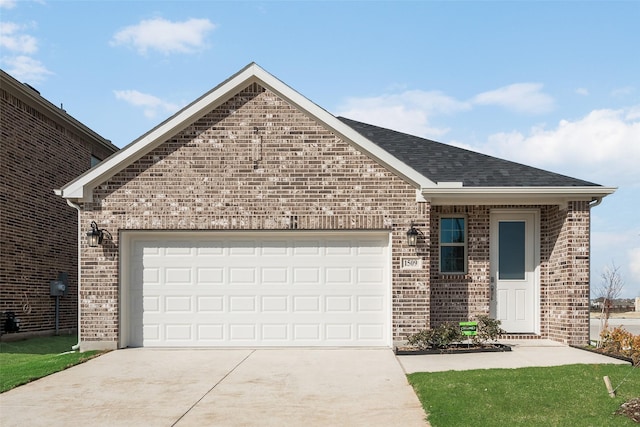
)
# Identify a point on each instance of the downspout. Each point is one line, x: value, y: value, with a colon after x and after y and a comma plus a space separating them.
x: 73, y: 205
x: 593, y: 204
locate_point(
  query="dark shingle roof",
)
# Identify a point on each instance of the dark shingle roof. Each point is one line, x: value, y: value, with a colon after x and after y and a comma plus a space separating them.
x: 445, y: 163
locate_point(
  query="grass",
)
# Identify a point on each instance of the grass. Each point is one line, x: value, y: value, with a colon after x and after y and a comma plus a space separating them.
x: 573, y: 395
x: 24, y: 361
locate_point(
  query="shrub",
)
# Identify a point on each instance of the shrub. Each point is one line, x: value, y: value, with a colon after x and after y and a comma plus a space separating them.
x: 441, y: 336
x: 488, y: 329
x: 622, y: 342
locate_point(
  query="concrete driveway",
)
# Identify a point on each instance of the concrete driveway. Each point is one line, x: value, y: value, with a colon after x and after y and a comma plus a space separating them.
x: 236, y: 387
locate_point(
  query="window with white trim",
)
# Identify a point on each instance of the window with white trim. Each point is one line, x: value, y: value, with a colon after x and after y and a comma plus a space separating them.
x: 453, y: 245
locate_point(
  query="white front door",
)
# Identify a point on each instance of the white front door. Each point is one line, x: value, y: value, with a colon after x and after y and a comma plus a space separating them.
x: 513, y: 270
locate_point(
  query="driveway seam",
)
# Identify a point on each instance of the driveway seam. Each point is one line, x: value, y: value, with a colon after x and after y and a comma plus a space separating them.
x: 211, y: 389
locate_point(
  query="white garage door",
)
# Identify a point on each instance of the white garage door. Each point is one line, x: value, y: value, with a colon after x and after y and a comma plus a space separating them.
x: 287, y: 289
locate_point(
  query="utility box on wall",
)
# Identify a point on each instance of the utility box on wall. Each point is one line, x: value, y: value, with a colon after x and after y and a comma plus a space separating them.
x: 57, y: 288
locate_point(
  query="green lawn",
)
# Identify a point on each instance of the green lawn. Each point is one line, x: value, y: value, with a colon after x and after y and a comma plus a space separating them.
x: 25, y: 361
x: 573, y: 395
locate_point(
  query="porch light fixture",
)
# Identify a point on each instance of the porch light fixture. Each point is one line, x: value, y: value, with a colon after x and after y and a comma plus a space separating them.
x: 412, y: 235
x: 96, y: 235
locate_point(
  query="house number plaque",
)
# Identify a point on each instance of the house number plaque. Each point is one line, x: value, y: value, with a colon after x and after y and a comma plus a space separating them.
x: 411, y: 263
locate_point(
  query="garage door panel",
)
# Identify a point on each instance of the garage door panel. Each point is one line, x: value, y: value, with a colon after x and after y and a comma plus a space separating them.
x: 275, y: 333
x: 306, y: 276
x: 210, y: 333
x: 272, y: 291
x: 242, y: 276
x: 242, y: 304
x: 274, y: 276
x: 342, y: 275
x: 371, y: 276
x: 373, y: 332
x: 212, y: 248
x: 337, y: 303
x: 210, y: 304
x: 178, y: 249
x: 239, y: 332
x: 370, y: 303
x: 177, y: 276
x: 275, y: 304
x: 306, y: 303
x: 178, y: 304
x: 210, y: 276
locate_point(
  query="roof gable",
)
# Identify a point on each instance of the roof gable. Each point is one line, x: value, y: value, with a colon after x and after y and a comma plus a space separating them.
x: 442, y: 173
x: 81, y: 188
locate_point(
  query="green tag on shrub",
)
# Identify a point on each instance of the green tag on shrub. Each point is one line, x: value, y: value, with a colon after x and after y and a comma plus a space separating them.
x: 469, y: 328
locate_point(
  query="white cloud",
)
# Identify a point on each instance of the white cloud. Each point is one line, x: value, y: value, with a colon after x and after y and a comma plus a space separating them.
x: 622, y: 91
x: 409, y: 111
x: 11, y: 39
x: 150, y: 104
x: 604, y: 145
x: 521, y: 97
x: 26, y: 69
x: 7, y: 4
x: 582, y: 91
x: 165, y: 36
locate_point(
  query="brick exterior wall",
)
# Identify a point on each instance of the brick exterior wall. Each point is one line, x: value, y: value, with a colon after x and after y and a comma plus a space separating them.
x: 565, y: 274
x: 38, y: 230
x: 564, y: 270
x: 258, y: 163
x: 253, y: 163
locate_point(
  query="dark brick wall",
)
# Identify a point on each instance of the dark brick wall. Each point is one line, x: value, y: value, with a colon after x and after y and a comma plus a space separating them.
x: 38, y: 230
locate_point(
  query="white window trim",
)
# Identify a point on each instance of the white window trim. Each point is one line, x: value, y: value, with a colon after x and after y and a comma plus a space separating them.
x: 465, y: 244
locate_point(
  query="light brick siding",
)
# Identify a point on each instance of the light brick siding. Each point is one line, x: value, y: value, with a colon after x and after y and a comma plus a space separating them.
x: 38, y: 230
x: 564, y: 270
x: 565, y: 274
x: 253, y: 163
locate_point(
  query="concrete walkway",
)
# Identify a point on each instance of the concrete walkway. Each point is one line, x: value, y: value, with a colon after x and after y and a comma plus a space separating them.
x: 239, y: 387
x: 524, y: 353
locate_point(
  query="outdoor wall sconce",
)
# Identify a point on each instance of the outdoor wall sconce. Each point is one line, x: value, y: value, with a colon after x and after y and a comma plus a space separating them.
x: 412, y: 235
x: 96, y: 235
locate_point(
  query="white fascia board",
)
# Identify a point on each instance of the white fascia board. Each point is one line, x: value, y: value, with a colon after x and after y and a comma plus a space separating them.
x: 81, y: 188
x: 514, y: 195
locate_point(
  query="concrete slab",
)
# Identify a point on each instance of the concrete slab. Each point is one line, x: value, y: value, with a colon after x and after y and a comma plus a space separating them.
x: 126, y: 387
x: 313, y: 388
x: 235, y: 387
x: 525, y: 353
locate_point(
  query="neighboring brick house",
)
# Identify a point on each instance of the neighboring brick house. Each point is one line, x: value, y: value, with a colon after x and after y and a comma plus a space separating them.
x: 41, y: 148
x: 253, y: 217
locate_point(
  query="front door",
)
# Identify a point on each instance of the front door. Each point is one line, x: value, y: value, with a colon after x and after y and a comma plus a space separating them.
x: 513, y: 270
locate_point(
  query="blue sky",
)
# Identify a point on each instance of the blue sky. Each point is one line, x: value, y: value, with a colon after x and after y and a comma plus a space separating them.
x: 550, y: 84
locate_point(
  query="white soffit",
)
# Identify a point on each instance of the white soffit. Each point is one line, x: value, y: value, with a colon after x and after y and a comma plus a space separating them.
x: 513, y: 195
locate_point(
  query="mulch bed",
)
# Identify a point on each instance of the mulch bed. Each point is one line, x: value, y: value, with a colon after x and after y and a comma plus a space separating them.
x: 631, y: 409
x: 453, y: 349
x: 604, y: 353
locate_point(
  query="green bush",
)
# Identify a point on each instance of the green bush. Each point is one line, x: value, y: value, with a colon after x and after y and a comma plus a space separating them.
x: 441, y: 336
x: 488, y: 329
x: 449, y: 333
